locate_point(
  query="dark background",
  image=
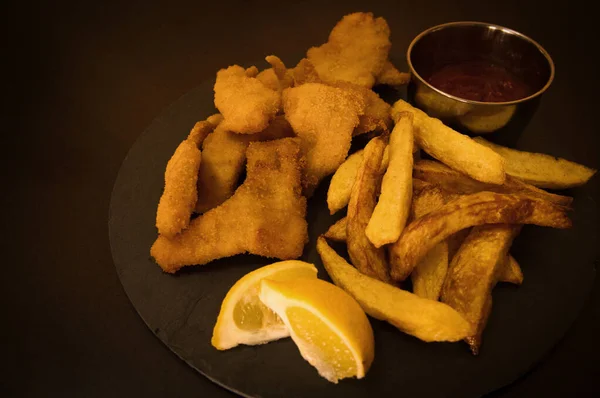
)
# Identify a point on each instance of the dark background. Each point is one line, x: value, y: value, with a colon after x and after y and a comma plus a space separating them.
x: 84, y: 80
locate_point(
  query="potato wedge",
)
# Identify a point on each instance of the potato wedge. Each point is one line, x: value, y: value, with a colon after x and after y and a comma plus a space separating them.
x: 366, y: 258
x: 473, y: 274
x: 429, y: 274
x: 337, y: 232
x: 425, y: 319
x: 541, y: 170
x: 431, y: 279
x: 452, y: 148
x: 342, y: 181
x: 338, y: 194
x: 456, y: 182
x: 466, y: 211
x: 391, y: 212
x: 510, y: 271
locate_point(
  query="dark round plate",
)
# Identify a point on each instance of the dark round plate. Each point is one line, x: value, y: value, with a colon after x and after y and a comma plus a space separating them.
x: 181, y: 309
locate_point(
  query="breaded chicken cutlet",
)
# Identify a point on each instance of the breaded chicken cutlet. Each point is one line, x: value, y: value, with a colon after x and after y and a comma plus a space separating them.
x: 246, y: 104
x: 356, y: 52
x: 180, y: 193
x: 223, y: 160
x: 324, y: 117
x: 265, y: 216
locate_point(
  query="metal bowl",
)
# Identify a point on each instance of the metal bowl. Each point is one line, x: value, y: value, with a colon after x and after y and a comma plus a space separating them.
x: 463, y: 42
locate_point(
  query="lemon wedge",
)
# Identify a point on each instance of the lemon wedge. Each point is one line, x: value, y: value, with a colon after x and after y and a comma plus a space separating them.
x: 243, y: 318
x: 329, y: 327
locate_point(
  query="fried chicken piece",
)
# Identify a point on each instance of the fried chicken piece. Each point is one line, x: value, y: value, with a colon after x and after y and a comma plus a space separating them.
x: 265, y: 216
x: 246, y: 104
x: 269, y: 79
x: 377, y: 114
x: 278, y: 77
x: 202, y: 129
x: 305, y: 72
x: 391, y: 76
x: 223, y: 158
x: 356, y: 52
x: 180, y: 193
x: 324, y: 118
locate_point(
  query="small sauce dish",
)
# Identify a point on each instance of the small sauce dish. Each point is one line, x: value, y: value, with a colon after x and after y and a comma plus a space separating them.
x: 477, y: 75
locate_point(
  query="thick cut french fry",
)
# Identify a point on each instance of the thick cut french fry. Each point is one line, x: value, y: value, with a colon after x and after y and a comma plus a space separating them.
x: 342, y: 181
x: 337, y: 232
x: 427, y: 277
x: 452, y: 148
x: 510, y: 271
x: 539, y: 169
x: 338, y: 194
x: 466, y: 211
x: 425, y: 319
x: 456, y: 182
x: 366, y: 258
x: 391, y: 212
x: 429, y: 274
x: 473, y: 274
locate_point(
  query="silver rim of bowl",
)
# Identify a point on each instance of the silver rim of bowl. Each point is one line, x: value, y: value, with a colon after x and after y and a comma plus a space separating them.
x: 487, y: 25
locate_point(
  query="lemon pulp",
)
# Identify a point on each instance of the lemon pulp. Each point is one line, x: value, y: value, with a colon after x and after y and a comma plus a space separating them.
x: 323, y: 343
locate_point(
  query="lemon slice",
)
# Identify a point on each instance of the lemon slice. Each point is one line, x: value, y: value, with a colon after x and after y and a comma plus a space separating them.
x: 243, y: 318
x: 329, y: 327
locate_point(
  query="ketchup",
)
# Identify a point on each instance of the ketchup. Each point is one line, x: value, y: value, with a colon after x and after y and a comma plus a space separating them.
x: 479, y: 81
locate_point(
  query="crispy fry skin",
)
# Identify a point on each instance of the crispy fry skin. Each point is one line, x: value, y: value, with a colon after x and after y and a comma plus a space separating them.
x: 454, y: 181
x: 246, y: 104
x: 425, y: 319
x: 541, y: 170
x: 391, y: 76
x: 223, y: 158
x: 452, y: 148
x: 455, y: 241
x: 366, y: 258
x: 356, y: 52
x: 392, y: 209
x: 265, y: 216
x: 510, y: 271
x: 342, y: 181
x: 324, y: 118
x: 179, y: 196
x: 473, y: 274
x: 428, y: 276
x: 467, y: 211
x: 337, y: 232
x: 429, y: 273
x: 338, y: 194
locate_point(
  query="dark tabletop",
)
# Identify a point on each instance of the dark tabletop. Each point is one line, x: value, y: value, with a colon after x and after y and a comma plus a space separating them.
x: 85, y: 80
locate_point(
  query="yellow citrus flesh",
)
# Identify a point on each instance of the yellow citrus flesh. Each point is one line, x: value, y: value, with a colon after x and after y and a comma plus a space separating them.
x: 328, y: 345
x: 329, y: 327
x: 249, y: 313
x: 243, y: 318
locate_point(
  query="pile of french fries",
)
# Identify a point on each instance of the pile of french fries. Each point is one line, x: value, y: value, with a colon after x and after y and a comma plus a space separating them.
x: 445, y: 224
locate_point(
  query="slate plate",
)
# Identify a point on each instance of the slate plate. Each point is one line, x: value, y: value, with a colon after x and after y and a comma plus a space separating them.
x: 181, y: 310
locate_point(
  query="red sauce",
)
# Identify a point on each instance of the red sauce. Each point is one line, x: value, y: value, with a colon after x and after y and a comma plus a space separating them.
x: 479, y: 81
